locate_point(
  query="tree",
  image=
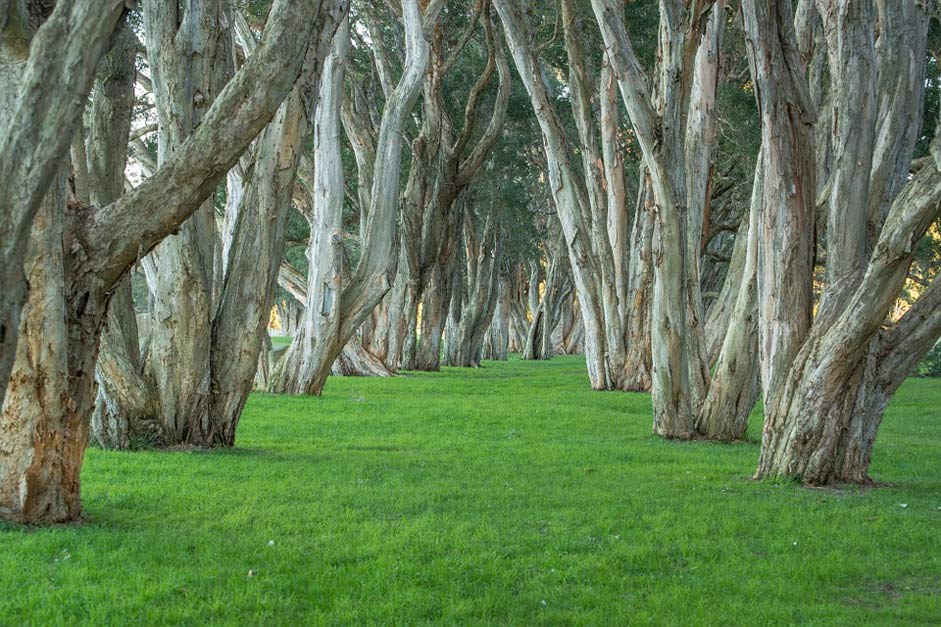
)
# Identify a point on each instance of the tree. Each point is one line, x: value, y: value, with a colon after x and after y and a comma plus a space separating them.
x: 447, y: 160
x: 308, y: 361
x: 476, y: 292
x: 84, y: 251
x: 824, y: 406
x: 212, y: 287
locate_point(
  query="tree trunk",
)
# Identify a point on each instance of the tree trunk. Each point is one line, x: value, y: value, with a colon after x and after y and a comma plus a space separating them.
x: 240, y: 321
x: 434, y: 308
x: 637, y: 363
x: 42, y: 437
x: 44, y: 77
x: 735, y: 383
x: 571, y: 201
x: 125, y: 411
x: 356, y: 361
x: 444, y: 166
x: 821, y: 421
x: 479, y: 306
x: 497, y: 340
x: 308, y: 360
x: 191, y: 60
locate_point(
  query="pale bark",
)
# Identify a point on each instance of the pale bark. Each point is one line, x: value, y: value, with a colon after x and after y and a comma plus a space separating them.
x: 672, y: 387
x: 228, y: 298
x: 674, y: 125
x: 547, y: 311
x: 823, y: 421
x: 637, y: 363
x: 483, y: 258
x: 849, y: 29
x: 614, y: 186
x: 735, y: 383
x: 786, y: 222
x: 569, y: 194
x: 240, y: 321
x: 574, y: 329
x: 355, y: 361
x: 190, y: 55
x: 125, y: 411
x: 304, y: 370
x: 597, y: 222
x: 719, y: 314
x: 310, y: 358
x: 497, y: 339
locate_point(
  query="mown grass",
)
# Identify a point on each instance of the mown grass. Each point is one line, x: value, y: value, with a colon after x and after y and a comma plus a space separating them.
x: 506, y: 495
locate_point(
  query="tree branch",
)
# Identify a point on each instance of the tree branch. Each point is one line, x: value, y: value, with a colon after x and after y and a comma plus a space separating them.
x: 129, y: 228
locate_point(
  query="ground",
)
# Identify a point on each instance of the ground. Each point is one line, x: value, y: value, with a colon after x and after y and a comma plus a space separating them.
x: 507, y: 495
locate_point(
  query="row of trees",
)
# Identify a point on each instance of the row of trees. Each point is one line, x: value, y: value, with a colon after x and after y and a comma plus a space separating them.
x: 714, y: 202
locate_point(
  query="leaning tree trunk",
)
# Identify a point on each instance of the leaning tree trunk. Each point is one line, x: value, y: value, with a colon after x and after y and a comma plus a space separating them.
x: 240, y: 322
x: 735, y: 383
x: 308, y: 361
x: 242, y: 281
x: 822, y: 424
x: 570, y: 199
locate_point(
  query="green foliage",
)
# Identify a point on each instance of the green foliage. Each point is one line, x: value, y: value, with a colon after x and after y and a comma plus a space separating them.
x: 507, y: 495
x: 930, y: 366
x: 932, y: 90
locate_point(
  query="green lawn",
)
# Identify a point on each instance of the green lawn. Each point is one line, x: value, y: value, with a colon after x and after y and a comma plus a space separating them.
x: 506, y: 495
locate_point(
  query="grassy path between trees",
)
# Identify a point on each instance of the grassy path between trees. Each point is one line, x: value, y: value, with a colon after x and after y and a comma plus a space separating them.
x: 507, y: 495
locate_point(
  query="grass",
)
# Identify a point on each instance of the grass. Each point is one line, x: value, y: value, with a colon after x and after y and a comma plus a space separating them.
x: 281, y: 340
x: 506, y: 495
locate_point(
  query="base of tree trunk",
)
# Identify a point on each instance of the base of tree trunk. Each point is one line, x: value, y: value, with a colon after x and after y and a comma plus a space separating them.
x: 357, y: 361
